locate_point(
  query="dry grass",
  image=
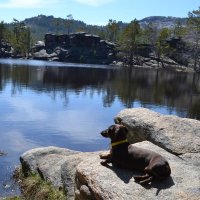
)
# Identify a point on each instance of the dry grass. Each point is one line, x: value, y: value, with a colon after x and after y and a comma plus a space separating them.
x: 34, y: 188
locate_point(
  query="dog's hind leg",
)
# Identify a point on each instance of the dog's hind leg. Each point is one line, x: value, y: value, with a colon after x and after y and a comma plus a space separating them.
x: 146, y: 181
x: 105, y: 162
x: 143, y: 179
x: 140, y: 178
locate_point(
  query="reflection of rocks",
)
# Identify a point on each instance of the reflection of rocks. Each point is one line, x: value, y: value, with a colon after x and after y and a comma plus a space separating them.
x: 77, y: 47
x: 84, y: 178
x: 2, y: 153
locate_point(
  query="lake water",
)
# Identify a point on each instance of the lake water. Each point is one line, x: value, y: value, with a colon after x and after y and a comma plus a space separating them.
x: 67, y: 105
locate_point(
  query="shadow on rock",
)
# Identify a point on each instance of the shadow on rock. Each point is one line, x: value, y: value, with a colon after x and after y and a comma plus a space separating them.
x: 162, y: 185
x: 127, y: 175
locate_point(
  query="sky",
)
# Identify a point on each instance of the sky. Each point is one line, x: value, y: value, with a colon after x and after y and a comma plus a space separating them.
x: 96, y: 11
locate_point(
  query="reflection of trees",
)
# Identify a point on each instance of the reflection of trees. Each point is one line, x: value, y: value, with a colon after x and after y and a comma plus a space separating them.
x: 1, y: 81
x: 4, y: 76
x: 177, y: 91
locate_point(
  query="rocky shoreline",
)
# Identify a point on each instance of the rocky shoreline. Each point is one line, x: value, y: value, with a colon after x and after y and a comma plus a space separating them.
x: 82, y: 177
x: 85, y: 48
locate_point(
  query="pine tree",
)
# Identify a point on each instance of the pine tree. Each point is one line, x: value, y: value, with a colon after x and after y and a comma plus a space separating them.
x: 130, y: 39
x: 113, y: 29
x: 194, y: 27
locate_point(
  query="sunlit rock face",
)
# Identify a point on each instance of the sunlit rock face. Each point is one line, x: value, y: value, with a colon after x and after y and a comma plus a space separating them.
x: 170, y: 132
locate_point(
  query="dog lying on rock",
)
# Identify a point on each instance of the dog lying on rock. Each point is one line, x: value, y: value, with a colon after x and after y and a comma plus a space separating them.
x: 128, y: 156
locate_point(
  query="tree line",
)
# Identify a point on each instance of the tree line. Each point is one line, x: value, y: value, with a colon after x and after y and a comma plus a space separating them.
x: 133, y: 37
x: 19, y: 36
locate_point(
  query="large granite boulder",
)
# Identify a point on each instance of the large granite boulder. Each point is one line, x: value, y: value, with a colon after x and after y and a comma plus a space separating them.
x: 77, y: 47
x: 177, y: 135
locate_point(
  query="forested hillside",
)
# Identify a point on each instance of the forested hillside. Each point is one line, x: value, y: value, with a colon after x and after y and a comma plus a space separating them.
x: 40, y: 25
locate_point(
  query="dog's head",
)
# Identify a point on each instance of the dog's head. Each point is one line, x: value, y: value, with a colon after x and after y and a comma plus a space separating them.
x: 115, y: 132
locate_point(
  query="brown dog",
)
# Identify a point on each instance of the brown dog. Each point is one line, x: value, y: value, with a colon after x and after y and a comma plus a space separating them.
x: 128, y: 156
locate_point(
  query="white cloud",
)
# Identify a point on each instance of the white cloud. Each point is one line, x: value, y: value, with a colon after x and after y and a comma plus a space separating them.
x: 25, y: 111
x: 26, y: 3
x: 94, y: 2
x: 69, y: 123
x: 15, y: 141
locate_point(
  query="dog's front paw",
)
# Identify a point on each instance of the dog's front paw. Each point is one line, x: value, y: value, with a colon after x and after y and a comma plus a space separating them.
x: 101, y: 155
x: 104, y: 163
x: 104, y: 156
x: 137, y: 178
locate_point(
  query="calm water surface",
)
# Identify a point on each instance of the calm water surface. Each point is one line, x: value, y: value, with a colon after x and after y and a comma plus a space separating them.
x: 67, y: 105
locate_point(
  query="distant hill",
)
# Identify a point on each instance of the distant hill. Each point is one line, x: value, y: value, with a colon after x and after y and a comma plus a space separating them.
x: 48, y: 24
x: 42, y: 24
x: 163, y: 22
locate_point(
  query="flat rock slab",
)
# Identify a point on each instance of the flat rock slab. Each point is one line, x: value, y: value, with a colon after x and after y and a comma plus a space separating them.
x: 96, y: 182
x: 176, y: 135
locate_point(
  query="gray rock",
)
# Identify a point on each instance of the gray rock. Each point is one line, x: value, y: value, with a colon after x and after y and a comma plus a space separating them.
x: 54, y: 165
x: 39, y: 45
x: 193, y: 158
x: 47, y: 162
x: 117, y: 184
x: 41, y: 55
x: 176, y: 135
x: 68, y: 173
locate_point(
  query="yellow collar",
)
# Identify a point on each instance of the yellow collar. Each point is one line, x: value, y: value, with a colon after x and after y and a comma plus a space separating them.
x: 119, y: 142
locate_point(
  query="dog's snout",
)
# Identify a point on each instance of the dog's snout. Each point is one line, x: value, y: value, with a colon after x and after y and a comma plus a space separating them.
x: 104, y: 133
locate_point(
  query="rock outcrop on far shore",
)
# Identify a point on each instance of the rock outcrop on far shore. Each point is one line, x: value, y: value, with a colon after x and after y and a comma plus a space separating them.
x: 6, y: 49
x: 82, y: 177
x: 76, y: 47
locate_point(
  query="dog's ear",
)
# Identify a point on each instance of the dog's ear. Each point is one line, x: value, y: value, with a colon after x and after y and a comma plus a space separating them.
x: 119, y: 127
x: 111, y: 131
x: 124, y: 129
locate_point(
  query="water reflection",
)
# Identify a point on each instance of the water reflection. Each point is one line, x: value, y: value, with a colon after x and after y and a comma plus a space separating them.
x: 42, y: 104
x: 179, y: 91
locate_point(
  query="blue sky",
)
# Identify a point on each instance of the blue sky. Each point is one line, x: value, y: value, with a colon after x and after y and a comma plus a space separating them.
x: 96, y: 11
